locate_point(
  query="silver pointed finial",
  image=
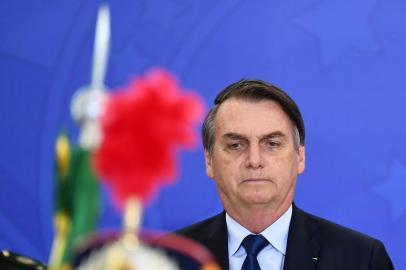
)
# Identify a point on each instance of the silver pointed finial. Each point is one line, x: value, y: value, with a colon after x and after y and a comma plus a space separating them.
x: 88, y: 102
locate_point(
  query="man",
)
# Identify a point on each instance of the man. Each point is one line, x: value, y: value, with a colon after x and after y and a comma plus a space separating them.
x: 254, y: 150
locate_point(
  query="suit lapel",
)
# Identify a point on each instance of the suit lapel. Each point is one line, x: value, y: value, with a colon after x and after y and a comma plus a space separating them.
x: 217, y: 240
x: 302, y: 251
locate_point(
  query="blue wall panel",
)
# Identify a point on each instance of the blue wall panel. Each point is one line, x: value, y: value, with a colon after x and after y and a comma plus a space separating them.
x: 343, y: 61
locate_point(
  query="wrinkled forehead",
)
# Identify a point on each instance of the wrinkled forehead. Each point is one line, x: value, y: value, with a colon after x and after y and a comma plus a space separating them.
x: 251, y: 117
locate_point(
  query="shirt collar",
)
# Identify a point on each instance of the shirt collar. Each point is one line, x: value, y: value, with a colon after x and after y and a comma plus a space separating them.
x: 276, y: 234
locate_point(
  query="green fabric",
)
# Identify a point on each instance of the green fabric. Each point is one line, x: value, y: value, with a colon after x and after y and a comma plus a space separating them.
x: 77, y: 195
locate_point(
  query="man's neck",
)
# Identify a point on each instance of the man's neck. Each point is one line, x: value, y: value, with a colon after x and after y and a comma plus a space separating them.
x: 257, y: 218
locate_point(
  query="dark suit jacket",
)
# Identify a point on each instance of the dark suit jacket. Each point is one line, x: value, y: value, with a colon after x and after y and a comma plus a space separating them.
x: 313, y: 243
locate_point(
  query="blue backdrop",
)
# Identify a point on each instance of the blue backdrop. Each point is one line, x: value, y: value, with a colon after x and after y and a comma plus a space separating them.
x: 343, y: 61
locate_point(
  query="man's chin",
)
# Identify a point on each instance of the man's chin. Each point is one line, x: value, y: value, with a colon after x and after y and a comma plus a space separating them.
x: 258, y: 198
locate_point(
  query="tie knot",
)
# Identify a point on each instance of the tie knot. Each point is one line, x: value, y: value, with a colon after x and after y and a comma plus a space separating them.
x: 254, y: 243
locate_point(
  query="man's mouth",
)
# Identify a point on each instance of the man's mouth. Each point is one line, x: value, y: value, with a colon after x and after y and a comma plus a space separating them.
x: 256, y: 180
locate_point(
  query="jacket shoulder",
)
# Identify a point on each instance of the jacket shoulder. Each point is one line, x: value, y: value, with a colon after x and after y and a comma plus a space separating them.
x: 347, y: 247
x: 198, y: 229
x: 338, y: 233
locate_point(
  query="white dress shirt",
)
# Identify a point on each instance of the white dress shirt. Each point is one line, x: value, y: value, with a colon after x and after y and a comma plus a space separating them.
x: 272, y: 256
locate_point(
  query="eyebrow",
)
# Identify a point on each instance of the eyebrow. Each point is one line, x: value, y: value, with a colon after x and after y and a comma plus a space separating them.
x: 234, y: 136
x: 237, y: 136
x: 276, y: 134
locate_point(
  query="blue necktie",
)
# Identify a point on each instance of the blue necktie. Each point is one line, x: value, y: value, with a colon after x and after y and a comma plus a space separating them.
x: 253, y: 244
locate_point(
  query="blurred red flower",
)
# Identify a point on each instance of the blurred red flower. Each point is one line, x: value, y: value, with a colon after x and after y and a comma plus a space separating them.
x: 142, y: 127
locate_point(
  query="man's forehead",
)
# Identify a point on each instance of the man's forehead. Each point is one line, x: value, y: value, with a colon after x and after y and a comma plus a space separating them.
x: 238, y: 136
x: 240, y: 105
x: 240, y: 116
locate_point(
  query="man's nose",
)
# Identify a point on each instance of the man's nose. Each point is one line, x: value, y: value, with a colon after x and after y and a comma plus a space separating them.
x: 254, y: 158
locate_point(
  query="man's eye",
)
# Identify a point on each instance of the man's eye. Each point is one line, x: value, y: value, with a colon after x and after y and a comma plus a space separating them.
x: 234, y: 145
x: 273, y: 144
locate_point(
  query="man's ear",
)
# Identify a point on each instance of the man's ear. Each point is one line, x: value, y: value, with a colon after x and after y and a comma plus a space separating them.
x: 208, y: 161
x: 301, y: 159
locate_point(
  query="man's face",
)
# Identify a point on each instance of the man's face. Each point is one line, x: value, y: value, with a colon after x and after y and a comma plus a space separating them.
x: 254, y: 159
